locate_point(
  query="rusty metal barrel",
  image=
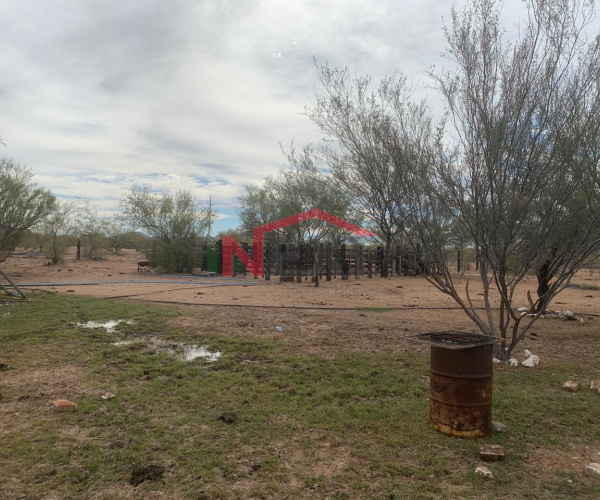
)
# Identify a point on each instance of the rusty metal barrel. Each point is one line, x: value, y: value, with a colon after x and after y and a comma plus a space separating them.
x: 461, y: 390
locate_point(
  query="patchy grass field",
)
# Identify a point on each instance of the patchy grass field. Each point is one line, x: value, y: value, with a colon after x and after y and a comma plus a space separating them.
x: 317, y: 417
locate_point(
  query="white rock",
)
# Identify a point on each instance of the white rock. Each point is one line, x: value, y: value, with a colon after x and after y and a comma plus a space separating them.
x: 483, y: 471
x: 513, y: 362
x: 580, y: 320
x: 595, y: 386
x: 523, y: 309
x: 568, y: 314
x: 590, y: 470
x: 527, y: 353
x: 498, y: 426
x: 496, y: 360
x: 571, y: 386
x: 531, y: 362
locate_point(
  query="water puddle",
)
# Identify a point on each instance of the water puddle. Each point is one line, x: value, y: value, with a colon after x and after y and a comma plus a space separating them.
x: 109, y: 326
x: 181, y: 352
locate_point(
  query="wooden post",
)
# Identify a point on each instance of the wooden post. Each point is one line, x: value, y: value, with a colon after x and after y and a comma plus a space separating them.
x: 78, y: 249
x: 356, y: 261
x: 316, y: 265
x: 267, y: 262
x: 299, y: 255
x: 245, y: 249
x: 458, y: 259
x: 369, y: 263
x: 282, y: 259
x: 329, y: 263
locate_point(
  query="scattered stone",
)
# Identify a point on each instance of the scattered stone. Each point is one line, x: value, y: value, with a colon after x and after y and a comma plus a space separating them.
x: 228, y: 417
x: 568, y: 314
x: 484, y: 472
x: 523, y: 309
x: 531, y: 361
x: 63, y: 405
x: 571, y: 386
x: 593, y: 470
x: 513, y: 362
x: 527, y: 353
x: 491, y: 452
x: 108, y: 395
x: 595, y: 385
x: 149, y: 473
x: 496, y: 360
x: 3, y: 367
x: 498, y: 427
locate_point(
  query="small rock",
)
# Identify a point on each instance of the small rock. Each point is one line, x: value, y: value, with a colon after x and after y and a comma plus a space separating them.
x: 531, y: 362
x: 63, y: 405
x: 498, y: 426
x: 550, y: 316
x: 595, y: 385
x: 278, y: 328
x: 513, y: 362
x: 70, y: 291
x: 149, y: 473
x: 491, y: 452
x: 568, y: 314
x: 228, y: 417
x: 3, y: 367
x: 523, y: 309
x: 496, y: 360
x: 483, y: 471
x: 527, y: 353
x: 571, y: 386
x: 108, y: 395
x: 593, y: 470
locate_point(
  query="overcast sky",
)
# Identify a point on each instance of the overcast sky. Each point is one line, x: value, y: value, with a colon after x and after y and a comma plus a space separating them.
x: 97, y: 96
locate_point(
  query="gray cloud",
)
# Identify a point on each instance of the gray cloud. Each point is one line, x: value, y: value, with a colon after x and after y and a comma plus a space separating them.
x: 97, y: 96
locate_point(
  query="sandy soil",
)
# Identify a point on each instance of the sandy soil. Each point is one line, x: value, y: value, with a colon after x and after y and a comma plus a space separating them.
x: 397, y: 292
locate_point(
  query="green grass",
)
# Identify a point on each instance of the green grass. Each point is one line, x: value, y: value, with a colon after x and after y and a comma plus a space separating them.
x: 355, y: 426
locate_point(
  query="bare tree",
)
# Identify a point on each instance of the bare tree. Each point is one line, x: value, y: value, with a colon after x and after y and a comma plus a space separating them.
x: 61, y: 227
x: 373, y: 139
x: 525, y: 118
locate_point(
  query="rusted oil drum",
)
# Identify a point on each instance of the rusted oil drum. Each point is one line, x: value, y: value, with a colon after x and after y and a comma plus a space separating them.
x: 461, y: 391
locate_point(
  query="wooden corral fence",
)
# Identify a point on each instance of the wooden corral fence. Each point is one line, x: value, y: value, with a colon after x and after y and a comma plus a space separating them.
x: 295, y: 262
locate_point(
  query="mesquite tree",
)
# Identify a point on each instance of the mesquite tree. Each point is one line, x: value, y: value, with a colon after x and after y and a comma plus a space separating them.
x: 22, y: 205
x: 522, y: 179
x: 175, y: 223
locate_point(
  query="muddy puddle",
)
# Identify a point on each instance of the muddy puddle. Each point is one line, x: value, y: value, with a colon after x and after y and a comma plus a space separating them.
x: 109, y: 326
x: 179, y: 350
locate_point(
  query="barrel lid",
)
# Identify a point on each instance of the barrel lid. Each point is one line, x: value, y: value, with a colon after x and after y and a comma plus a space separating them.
x: 453, y: 339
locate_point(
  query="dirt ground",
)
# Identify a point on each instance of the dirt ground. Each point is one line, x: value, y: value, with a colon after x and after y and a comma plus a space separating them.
x: 352, y: 308
x: 396, y: 292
